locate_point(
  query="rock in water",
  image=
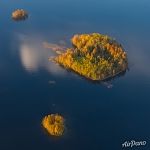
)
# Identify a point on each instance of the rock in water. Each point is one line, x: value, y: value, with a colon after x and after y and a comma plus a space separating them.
x: 54, y: 124
x: 19, y: 14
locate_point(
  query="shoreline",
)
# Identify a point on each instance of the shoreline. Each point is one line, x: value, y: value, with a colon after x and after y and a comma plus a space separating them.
x: 85, y: 77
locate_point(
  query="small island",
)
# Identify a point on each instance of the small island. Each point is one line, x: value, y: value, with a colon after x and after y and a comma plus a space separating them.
x: 94, y: 56
x: 19, y: 14
x: 54, y: 124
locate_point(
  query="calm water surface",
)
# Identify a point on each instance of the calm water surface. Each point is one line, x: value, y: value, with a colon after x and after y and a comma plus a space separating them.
x: 97, y: 117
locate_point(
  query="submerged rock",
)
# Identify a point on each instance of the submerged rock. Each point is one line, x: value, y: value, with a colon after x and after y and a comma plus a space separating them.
x: 19, y: 14
x: 54, y: 124
x: 94, y: 56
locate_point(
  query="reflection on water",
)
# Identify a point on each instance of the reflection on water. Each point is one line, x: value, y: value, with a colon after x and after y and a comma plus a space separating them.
x: 139, y: 59
x: 29, y: 58
x: 34, y: 57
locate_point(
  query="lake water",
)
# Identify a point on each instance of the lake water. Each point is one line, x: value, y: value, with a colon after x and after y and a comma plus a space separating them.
x: 97, y: 117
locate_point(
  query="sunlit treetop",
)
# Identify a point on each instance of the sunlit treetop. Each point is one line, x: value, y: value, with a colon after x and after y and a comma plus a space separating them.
x: 54, y: 124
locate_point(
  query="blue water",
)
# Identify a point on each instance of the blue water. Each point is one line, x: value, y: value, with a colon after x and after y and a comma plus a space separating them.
x: 97, y: 117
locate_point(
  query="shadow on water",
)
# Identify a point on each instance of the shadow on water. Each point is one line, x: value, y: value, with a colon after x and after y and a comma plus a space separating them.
x: 105, y: 82
x: 20, y: 19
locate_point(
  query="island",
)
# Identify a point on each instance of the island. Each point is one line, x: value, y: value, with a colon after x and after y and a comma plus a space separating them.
x: 94, y: 56
x: 54, y: 124
x: 19, y: 14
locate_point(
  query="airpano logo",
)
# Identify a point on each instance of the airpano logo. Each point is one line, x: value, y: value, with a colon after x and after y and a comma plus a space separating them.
x: 133, y: 143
